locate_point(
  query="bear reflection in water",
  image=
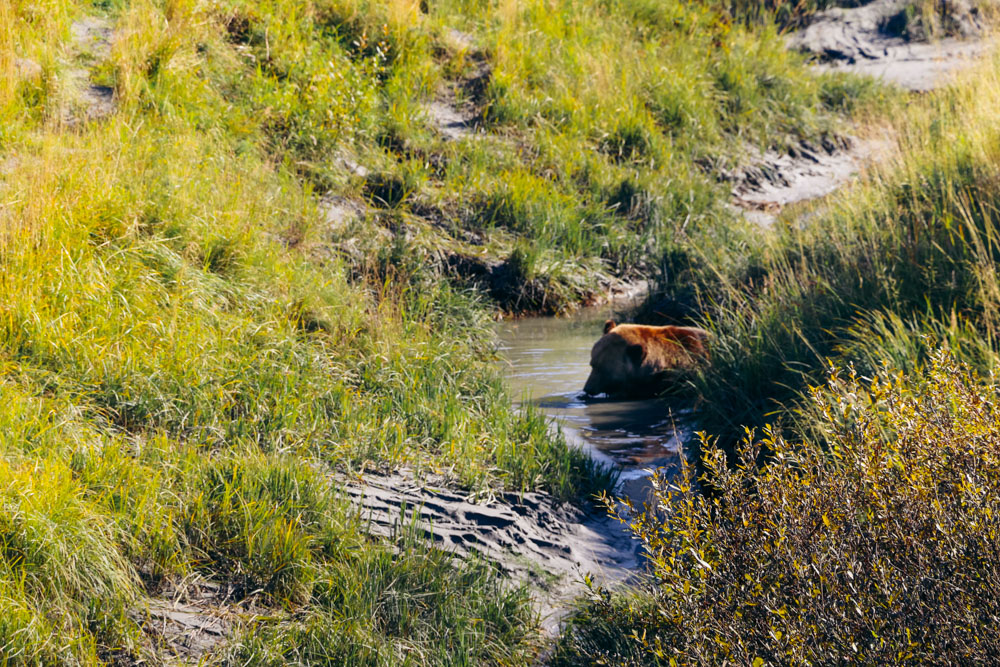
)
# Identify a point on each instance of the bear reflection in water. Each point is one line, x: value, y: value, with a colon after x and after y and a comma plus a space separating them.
x: 636, y: 361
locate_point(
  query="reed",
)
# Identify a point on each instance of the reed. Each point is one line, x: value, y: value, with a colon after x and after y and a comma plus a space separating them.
x: 909, y: 253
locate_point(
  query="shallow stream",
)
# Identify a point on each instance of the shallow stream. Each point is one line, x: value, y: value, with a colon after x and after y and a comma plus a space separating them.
x: 548, y: 361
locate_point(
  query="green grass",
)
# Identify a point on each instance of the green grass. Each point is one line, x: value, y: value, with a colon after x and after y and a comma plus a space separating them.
x: 591, y: 117
x: 189, y: 365
x: 901, y: 264
x: 409, y: 606
x: 193, y: 355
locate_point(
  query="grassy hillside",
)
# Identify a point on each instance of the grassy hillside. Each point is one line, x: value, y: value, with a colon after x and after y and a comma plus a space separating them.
x: 189, y: 367
x: 589, y: 135
x: 903, y: 263
x: 250, y: 250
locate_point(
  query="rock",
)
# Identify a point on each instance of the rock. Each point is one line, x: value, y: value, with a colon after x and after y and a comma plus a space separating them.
x: 340, y: 212
x: 450, y: 123
x: 348, y: 164
x: 461, y: 40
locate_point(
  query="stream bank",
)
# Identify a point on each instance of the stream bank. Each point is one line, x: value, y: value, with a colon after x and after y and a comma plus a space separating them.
x: 878, y: 39
x: 552, y: 548
x: 548, y: 363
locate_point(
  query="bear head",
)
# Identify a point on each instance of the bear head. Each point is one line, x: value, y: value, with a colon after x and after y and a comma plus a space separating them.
x: 614, y: 363
x: 634, y: 360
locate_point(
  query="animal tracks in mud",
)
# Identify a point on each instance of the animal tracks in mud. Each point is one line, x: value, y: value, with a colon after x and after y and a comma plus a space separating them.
x: 804, y: 172
x: 530, y: 537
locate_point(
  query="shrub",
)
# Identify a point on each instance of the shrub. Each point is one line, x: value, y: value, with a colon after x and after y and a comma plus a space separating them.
x: 879, y: 548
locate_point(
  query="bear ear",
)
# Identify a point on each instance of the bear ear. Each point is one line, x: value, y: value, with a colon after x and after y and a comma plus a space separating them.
x: 636, y: 353
x: 609, y: 325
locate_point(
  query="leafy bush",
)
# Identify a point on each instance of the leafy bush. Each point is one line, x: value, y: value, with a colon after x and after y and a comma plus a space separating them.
x: 880, y: 548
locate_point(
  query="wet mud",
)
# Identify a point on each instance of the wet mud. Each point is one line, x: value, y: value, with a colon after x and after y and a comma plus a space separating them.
x: 876, y: 40
x: 773, y: 180
x: 530, y: 537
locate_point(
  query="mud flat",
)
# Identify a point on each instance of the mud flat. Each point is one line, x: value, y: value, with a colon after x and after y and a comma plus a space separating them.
x: 529, y: 536
x: 872, y: 40
x: 805, y: 172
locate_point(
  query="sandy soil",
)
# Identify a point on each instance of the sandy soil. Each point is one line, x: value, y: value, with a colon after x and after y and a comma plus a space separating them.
x: 530, y: 537
x: 861, y: 40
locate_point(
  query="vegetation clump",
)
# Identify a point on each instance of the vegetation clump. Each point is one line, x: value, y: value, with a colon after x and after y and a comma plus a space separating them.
x: 910, y: 252
x: 879, y: 548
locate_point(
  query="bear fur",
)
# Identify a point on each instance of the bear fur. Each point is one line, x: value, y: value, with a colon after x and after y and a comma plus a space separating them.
x: 635, y: 360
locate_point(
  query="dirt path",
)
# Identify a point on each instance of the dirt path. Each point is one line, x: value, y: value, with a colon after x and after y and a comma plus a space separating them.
x: 92, y: 38
x: 457, y: 110
x: 869, y: 40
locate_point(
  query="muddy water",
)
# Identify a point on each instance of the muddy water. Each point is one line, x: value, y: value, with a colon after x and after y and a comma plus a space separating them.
x: 548, y: 360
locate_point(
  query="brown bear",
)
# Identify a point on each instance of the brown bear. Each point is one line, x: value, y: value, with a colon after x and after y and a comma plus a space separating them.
x: 633, y: 359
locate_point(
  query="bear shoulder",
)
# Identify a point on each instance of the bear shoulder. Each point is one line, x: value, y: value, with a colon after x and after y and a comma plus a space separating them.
x: 693, y: 339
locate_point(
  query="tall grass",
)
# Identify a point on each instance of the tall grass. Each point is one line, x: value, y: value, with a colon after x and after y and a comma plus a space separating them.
x: 574, y: 104
x: 911, y: 251
x: 193, y: 354
x: 409, y: 606
x: 188, y: 367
